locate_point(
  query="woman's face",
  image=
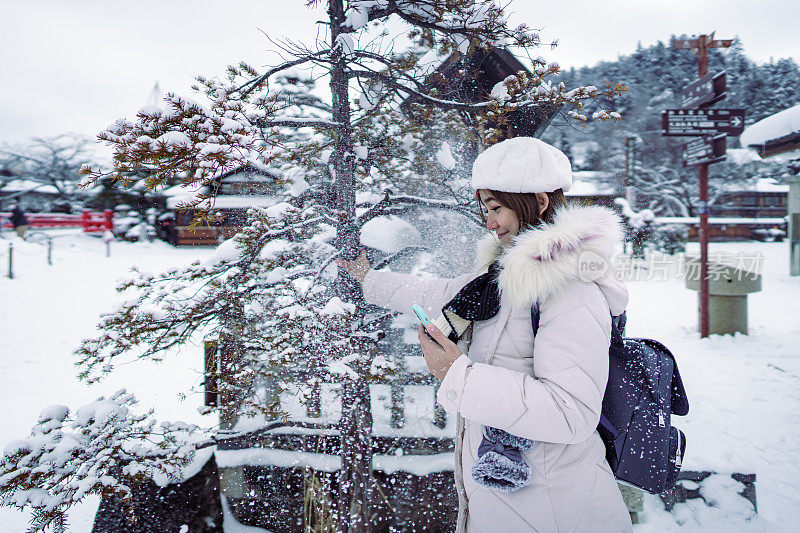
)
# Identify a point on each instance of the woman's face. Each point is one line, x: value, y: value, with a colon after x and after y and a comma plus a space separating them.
x: 499, y: 219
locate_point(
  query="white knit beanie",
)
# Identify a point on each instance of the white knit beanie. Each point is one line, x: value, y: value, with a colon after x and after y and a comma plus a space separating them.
x: 522, y: 164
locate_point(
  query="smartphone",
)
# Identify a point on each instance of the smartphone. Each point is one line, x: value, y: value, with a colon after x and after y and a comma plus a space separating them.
x: 424, y: 320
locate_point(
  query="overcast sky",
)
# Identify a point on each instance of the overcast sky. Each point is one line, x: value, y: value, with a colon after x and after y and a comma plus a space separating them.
x: 77, y: 65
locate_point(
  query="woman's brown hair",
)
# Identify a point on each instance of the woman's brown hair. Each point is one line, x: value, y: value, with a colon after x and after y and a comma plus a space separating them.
x: 526, y: 207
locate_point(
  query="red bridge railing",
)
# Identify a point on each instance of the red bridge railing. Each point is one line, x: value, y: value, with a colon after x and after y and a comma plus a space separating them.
x: 90, y: 221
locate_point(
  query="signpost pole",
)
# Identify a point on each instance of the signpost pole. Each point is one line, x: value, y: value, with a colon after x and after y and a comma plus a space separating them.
x: 702, y: 59
x: 630, y: 154
x: 702, y: 93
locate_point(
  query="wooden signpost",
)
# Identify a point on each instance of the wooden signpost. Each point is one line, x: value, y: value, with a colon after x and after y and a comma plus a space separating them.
x: 713, y: 126
x: 705, y: 150
x: 705, y: 90
x: 695, y: 122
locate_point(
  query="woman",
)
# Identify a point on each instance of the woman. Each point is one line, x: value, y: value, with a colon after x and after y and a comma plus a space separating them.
x: 548, y: 389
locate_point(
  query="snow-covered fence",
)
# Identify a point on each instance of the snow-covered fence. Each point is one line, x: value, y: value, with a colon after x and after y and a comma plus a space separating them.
x: 11, y: 260
x: 726, y: 228
x: 266, y: 473
x: 90, y: 221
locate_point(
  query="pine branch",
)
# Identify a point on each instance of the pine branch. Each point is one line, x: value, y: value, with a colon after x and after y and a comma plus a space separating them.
x: 298, y: 122
x: 247, y: 88
x: 397, y: 205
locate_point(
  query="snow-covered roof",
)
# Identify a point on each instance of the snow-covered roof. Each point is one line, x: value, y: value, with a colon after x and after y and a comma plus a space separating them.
x: 430, y: 61
x: 182, y: 193
x: 742, y: 156
x: 590, y: 188
x: 758, y: 185
x: 592, y: 175
x: 252, y: 169
x: 721, y: 220
x: 249, y: 177
x: 20, y: 185
x: 580, y: 151
x: 773, y: 127
x: 591, y: 183
x: 232, y: 201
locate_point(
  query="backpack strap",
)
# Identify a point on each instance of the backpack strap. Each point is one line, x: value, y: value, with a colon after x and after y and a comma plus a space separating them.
x: 606, y: 424
x: 619, y: 322
x: 535, y: 317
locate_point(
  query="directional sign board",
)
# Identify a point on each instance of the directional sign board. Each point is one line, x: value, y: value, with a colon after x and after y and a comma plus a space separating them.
x: 705, y: 90
x: 688, y: 44
x: 698, y: 122
x: 705, y: 150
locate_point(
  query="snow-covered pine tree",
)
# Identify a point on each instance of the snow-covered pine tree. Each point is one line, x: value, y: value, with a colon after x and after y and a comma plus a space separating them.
x: 271, y: 295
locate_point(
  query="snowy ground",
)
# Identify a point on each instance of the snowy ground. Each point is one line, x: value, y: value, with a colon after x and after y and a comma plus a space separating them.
x: 744, y: 395
x: 743, y: 390
x: 47, y: 310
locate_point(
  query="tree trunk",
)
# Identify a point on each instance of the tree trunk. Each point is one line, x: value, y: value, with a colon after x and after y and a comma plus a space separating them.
x: 355, y: 476
x: 355, y: 426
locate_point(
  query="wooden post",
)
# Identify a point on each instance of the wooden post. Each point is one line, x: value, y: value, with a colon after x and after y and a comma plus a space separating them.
x: 314, y: 402
x: 210, y: 371
x: 702, y: 172
x: 11, y: 260
x: 398, y: 415
x: 630, y: 158
x: 85, y: 218
x: 702, y: 44
x: 794, y: 224
x: 109, y: 219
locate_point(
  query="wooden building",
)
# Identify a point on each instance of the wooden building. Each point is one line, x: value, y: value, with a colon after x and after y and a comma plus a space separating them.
x: 764, y: 197
x: 34, y: 196
x: 471, y: 77
x: 776, y: 134
x: 237, y: 191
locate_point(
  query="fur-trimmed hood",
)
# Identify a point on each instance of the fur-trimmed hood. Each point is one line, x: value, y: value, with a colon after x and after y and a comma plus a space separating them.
x: 542, y: 261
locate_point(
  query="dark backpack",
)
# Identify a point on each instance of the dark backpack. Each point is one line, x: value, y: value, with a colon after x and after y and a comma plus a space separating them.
x: 644, y: 389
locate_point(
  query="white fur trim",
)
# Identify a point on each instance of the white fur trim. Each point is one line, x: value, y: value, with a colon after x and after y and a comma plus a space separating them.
x: 542, y: 261
x: 487, y: 250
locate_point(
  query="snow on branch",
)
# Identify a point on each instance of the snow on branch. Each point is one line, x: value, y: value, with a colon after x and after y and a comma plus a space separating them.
x: 299, y: 122
x: 103, y: 448
x: 481, y: 21
x: 167, y: 309
x: 183, y: 139
x: 399, y: 204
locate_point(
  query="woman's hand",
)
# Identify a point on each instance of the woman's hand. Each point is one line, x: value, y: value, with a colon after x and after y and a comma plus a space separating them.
x: 439, y: 358
x: 356, y: 269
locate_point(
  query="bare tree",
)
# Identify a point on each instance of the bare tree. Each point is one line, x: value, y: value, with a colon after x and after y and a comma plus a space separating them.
x: 54, y: 161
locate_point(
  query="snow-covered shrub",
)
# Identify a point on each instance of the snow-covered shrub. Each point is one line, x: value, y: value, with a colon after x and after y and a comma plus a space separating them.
x: 644, y: 233
x: 100, y: 449
x: 768, y: 235
x: 669, y: 238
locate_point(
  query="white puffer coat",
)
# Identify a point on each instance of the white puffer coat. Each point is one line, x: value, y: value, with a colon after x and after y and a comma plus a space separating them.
x: 549, y: 389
